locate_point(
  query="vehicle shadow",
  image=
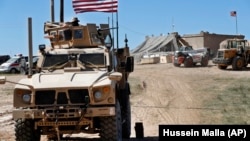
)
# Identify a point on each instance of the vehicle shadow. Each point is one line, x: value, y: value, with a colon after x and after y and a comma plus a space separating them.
x: 230, y: 69
x: 197, y: 66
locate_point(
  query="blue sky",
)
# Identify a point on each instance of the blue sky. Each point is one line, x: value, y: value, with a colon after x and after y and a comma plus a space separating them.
x: 136, y: 18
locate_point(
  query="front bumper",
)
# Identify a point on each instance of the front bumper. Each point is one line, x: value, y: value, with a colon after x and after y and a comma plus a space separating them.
x: 222, y: 61
x: 63, y: 113
x: 4, y: 70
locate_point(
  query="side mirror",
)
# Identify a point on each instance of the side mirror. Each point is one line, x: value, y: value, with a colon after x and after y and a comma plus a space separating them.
x: 115, y: 76
x: 2, y: 80
x: 130, y: 64
x: 42, y: 47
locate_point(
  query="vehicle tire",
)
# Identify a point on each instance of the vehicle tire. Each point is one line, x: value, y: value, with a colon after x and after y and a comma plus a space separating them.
x: 111, y: 127
x: 188, y: 62
x: 126, y: 112
x: 24, y: 130
x: 13, y: 71
x: 238, y: 63
x: 204, y: 61
x: 222, y: 67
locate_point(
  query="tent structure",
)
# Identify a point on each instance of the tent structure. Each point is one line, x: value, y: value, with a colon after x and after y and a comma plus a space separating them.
x: 158, y: 45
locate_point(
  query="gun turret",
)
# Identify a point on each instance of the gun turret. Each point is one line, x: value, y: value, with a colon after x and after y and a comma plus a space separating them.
x: 74, y: 35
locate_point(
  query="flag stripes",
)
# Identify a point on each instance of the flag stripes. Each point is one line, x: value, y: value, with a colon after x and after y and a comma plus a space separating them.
x: 81, y: 6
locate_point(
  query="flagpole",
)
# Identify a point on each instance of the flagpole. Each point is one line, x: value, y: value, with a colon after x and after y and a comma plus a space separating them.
x: 236, y: 25
x: 117, y: 28
x: 113, y: 29
x: 234, y: 14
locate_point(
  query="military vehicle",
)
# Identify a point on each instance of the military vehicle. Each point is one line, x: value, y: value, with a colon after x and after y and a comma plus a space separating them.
x: 189, y: 57
x: 235, y: 52
x: 80, y: 86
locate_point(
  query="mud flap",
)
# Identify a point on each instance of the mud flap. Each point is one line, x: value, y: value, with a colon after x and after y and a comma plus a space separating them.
x: 130, y: 64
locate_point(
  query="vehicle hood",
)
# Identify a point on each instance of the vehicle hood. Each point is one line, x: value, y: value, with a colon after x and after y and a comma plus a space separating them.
x: 5, y: 64
x: 66, y: 80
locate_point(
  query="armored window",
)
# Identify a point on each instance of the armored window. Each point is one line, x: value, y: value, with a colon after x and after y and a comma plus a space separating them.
x: 65, y: 34
x: 54, y: 59
x: 61, y: 35
x: 77, y: 34
x: 95, y: 39
x: 93, y: 58
x: 53, y: 33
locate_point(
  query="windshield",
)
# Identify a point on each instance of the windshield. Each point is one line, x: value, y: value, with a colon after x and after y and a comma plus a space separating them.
x: 90, y: 60
x: 93, y: 58
x: 11, y: 60
x: 53, y: 59
x: 188, y: 48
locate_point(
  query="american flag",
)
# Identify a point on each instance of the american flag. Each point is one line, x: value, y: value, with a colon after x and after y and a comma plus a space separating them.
x: 81, y: 6
x: 233, y: 13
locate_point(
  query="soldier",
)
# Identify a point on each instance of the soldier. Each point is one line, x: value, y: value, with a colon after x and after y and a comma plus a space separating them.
x: 75, y: 21
x: 23, y: 66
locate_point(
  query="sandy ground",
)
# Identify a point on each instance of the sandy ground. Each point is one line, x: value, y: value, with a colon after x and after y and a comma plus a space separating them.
x: 161, y: 94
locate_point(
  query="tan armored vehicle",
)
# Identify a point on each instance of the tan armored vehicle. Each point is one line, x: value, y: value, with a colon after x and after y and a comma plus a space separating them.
x: 235, y: 52
x: 80, y: 86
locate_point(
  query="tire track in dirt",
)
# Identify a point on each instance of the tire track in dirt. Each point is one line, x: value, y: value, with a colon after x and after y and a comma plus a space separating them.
x: 6, y: 108
x: 167, y: 98
x: 158, y: 99
x: 6, y: 124
x: 162, y: 99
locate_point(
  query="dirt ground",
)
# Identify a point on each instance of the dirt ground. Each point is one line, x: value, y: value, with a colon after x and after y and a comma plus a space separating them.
x: 161, y: 94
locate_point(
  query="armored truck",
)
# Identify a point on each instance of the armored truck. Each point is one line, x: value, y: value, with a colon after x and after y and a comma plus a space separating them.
x: 80, y: 86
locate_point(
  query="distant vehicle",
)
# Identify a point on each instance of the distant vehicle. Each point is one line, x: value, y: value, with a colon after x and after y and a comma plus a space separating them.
x: 233, y: 52
x: 12, y: 65
x: 190, y: 57
x: 4, y: 58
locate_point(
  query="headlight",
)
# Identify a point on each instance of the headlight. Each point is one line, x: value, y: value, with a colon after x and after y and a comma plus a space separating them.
x: 4, y: 67
x: 101, y: 94
x: 98, y: 95
x: 26, y: 98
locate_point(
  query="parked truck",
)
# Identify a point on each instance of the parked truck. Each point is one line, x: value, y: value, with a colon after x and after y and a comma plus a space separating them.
x: 233, y: 52
x: 189, y: 57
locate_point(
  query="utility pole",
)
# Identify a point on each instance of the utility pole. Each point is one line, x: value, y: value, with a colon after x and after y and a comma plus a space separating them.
x: 172, y: 24
x: 61, y: 10
x: 52, y: 11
